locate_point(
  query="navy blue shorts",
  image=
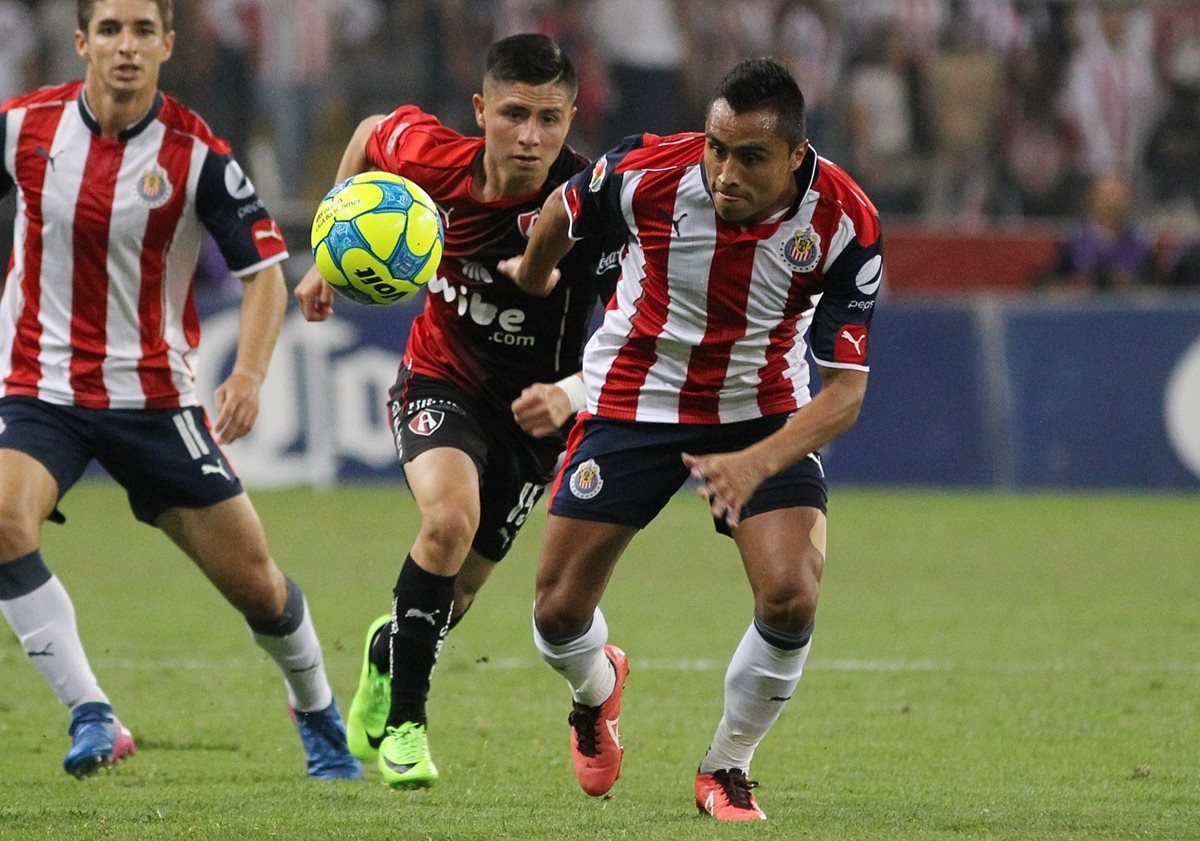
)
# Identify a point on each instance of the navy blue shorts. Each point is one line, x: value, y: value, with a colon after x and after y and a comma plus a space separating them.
x: 624, y: 472
x: 164, y: 458
x: 514, y: 468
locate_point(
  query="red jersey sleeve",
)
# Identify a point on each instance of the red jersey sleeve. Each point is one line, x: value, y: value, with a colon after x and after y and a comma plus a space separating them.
x: 406, y: 134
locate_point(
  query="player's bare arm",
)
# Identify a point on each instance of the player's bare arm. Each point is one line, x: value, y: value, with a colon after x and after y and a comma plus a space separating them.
x: 549, y: 242
x: 542, y: 408
x: 312, y: 293
x: 264, y: 301
x: 728, y: 480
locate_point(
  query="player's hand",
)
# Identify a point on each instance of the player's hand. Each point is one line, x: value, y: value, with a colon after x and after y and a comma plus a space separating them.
x: 237, y: 406
x: 542, y: 409
x: 512, y: 268
x: 314, y: 295
x: 727, y: 481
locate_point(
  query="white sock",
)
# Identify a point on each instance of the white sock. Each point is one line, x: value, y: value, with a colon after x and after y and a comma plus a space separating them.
x: 298, y: 656
x: 759, y: 681
x: 44, y: 622
x: 582, y: 661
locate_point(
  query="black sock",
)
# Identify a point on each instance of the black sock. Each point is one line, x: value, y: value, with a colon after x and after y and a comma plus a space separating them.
x: 421, y: 612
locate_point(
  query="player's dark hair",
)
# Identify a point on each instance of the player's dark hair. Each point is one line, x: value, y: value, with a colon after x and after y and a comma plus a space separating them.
x: 531, y: 59
x: 763, y: 84
x: 83, y: 11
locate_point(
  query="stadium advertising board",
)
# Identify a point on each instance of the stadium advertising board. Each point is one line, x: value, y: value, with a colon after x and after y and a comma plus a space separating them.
x: 988, y: 392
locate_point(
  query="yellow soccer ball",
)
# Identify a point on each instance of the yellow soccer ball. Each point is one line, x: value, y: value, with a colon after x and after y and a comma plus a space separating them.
x: 377, y: 238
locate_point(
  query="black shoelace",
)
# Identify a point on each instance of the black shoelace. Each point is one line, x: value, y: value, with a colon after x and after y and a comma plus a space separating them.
x: 583, y: 719
x: 736, y: 787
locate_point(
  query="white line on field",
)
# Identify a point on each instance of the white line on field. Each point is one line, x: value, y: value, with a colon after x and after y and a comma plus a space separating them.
x: 698, y: 665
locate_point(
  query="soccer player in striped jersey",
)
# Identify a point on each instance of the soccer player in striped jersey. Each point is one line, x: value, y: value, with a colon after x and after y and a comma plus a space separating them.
x: 741, y: 243
x: 488, y: 377
x: 98, y: 340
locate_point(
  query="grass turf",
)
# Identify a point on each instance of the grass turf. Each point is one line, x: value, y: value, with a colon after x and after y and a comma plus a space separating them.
x: 986, y: 666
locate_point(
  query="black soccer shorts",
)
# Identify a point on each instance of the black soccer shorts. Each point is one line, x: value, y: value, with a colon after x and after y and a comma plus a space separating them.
x: 514, y: 468
x: 624, y: 472
x: 163, y: 458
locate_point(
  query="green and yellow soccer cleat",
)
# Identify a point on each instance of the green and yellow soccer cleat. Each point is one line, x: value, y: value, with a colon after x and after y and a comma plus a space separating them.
x: 404, y: 760
x: 369, y: 710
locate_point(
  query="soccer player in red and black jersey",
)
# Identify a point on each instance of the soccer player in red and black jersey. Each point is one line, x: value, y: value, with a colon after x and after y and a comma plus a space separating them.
x: 488, y: 377
x: 741, y: 243
x: 98, y: 340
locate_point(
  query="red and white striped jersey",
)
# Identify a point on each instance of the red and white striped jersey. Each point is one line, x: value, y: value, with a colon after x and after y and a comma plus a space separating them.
x: 710, y: 319
x: 97, y: 308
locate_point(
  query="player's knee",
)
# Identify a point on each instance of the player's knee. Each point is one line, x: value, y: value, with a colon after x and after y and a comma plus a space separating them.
x: 20, y: 529
x: 559, y: 619
x: 788, y: 601
x: 261, y: 593
x: 447, y: 531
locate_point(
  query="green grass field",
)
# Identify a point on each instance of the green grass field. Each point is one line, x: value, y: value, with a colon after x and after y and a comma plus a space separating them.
x: 986, y: 666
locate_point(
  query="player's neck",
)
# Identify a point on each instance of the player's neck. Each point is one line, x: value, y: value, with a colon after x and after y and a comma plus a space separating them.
x: 117, y: 113
x: 491, y: 184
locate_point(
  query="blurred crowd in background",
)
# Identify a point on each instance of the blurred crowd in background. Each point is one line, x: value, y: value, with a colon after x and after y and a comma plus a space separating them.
x: 970, y: 113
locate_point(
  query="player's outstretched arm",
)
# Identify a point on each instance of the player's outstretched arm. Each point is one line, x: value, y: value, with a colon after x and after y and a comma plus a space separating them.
x: 312, y: 293
x: 264, y: 301
x: 549, y: 242
x: 728, y: 480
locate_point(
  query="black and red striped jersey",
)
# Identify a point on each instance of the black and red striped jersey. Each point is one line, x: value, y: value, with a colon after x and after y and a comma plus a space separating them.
x: 98, y: 308
x: 711, y: 321
x: 478, y: 330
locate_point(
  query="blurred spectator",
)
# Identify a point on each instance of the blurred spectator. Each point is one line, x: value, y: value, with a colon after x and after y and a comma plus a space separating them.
x: 1109, y: 96
x: 719, y: 34
x: 18, y: 49
x: 295, y: 51
x: 920, y: 25
x: 459, y: 38
x: 1038, y: 173
x: 964, y: 101
x: 57, y: 60
x: 1105, y: 250
x: 810, y: 39
x: 392, y: 65
x: 1173, y: 150
x: 1184, y: 271
x: 646, y: 52
x: 233, y: 29
x: 882, y: 149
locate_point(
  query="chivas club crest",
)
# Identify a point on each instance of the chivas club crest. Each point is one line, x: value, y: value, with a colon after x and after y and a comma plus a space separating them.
x: 154, y: 187
x: 585, y: 481
x: 803, y: 250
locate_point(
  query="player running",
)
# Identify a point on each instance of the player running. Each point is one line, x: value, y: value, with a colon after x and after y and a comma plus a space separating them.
x: 740, y: 242
x: 98, y: 343
x: 488, y: 377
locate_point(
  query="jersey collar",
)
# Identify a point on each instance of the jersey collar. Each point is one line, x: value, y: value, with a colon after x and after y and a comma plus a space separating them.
x: 89, y: 119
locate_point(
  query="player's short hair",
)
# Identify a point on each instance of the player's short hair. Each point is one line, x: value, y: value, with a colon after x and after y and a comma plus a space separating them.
x: 83, y: 11
x: 531, y: 59
x: 763, y: 84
